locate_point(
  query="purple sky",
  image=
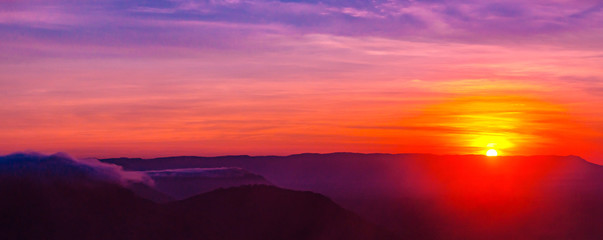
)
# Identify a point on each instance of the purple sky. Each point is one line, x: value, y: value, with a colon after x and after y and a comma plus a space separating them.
x: 155, y: 78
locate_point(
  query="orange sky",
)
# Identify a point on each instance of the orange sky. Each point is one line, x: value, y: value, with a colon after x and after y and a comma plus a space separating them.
x: 110, y: 84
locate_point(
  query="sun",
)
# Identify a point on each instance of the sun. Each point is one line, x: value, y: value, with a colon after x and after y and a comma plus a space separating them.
x: 491, y: 153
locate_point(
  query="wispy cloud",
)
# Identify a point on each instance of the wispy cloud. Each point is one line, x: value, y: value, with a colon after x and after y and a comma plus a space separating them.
x: 61, y: 166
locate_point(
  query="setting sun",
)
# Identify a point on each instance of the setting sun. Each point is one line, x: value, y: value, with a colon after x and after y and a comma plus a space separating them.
x: 491, y: 153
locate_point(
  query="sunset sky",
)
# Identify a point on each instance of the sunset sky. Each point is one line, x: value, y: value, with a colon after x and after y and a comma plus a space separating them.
x: 215, y: 77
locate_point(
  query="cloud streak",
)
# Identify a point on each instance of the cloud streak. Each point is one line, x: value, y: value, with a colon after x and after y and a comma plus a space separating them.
x: 461, y: 21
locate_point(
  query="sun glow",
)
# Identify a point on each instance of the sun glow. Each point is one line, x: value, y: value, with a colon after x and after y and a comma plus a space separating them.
x: 508, y: 123
x: 491, y: 153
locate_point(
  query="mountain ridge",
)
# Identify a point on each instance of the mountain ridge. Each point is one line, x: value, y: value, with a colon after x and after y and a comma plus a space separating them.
x: 408, y: 193
x: 87, y: 204
x: 339, y: 154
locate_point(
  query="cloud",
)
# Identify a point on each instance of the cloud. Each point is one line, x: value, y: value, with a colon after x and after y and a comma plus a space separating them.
x: 133, y: 27
x: 62, y: 166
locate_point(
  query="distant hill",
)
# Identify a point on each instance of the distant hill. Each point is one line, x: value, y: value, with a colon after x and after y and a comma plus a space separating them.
x: 423, y: 196
x: 389, y: 174
x: 56, y: 197
x: 183, y: 183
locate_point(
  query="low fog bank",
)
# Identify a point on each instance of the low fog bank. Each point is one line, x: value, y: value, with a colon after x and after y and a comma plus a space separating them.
x: 62, y: 166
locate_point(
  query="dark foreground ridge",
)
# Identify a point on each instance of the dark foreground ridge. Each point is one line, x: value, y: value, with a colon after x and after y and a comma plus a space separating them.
x: 67, y: 200
x: 267, y: 212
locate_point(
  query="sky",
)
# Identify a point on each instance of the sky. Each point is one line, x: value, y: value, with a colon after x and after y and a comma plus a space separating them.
x: 129, y: 78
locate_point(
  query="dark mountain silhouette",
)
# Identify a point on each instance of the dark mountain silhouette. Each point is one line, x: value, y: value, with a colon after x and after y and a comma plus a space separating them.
x: 267, y: 212
x: 78, y: 202
x: 422, y: 196
x: 72, y: 210
x: 151, y: 193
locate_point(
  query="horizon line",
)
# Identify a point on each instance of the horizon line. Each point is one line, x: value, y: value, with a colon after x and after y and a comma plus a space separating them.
x: 330, y: 153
